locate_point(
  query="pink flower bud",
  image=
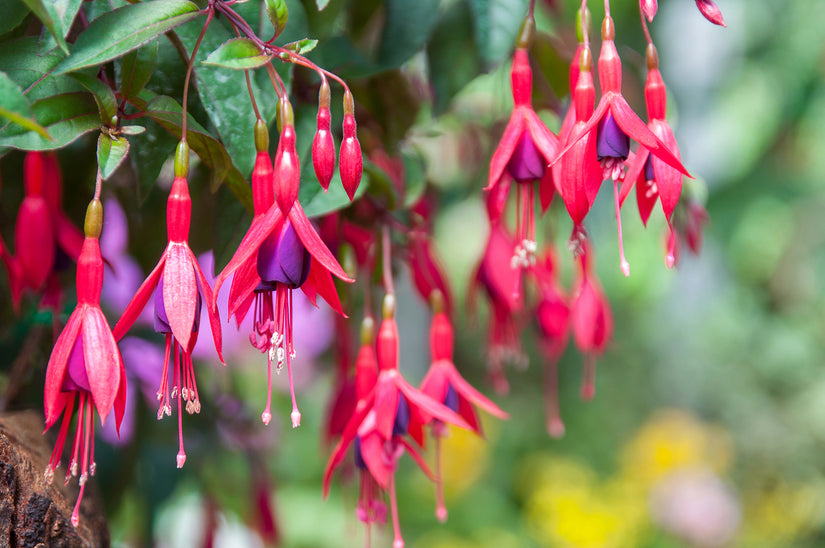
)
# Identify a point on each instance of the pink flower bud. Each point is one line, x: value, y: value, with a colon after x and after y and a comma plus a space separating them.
x: 711, y: 12
x: 323, y: 147
x: 351, y: 164
x: 287, y: 170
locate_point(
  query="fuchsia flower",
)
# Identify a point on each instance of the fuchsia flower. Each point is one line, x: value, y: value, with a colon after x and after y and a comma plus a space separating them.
x: 85, y: 365
x: 178, y: 289
x: 280, y: 252
x: 654, y: 179
x: 609, y: 129
x: 382, y: 418
x: 500, y: 281
x: 443, y: 383
x: 523, y: 153
x: 590, y: 317
x: 553, y: 318
x: 43, y: 235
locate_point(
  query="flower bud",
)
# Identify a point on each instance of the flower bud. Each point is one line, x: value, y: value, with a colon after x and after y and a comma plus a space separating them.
x: 323, y: 147
x: 351, y: 164
x: 287, y: 165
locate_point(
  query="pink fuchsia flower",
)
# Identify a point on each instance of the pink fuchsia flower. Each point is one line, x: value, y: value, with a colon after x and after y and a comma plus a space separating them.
x: 85, y: 365
x: 524, y: 151
x: 279, y: 253
x: 613, y: 124
x: 591, y: 319
x: 178, y: 289
x: 382, y: 419
x: 43, y: 235
x: 553, y: 318
x: 500, y: 281
x: 711, y: 11
x: 654, y: 179
x: 444, y: 384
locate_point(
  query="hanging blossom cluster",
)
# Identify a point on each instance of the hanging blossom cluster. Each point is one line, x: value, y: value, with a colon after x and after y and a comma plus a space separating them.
x: 593, y: 146
x: 375, y: 416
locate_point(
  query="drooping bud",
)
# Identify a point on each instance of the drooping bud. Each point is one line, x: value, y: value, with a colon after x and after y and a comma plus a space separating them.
x: 649, y: 8
x: 182, y: 159
x: 351, y: 163
x: 34, y: 241
x: 323, y: 147
x: 711, y: 12
x: 263, y: 191
x: 287, y: 165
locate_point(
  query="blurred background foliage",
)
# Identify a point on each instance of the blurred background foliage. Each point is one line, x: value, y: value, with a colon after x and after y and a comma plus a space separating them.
x: 707, y: 428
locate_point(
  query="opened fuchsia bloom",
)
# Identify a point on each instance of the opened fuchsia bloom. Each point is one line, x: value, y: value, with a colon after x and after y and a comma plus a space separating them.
x: 613, y: 124
x: 444, y: 384
x: 279, y: 253
x: 178, y: 289
x: 85, y: 365
x: 655, y: 180
x: 523, y: 153
x: 382, y: 419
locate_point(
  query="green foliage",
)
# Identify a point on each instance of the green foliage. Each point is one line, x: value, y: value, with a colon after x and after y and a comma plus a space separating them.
x: 239, y: 54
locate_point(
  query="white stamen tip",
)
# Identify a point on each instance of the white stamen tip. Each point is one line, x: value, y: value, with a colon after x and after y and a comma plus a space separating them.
x: 296, y: 418
x: 266, y: 416
x: 441, y: 514
x: 181, y: 459
x: 625, y: 268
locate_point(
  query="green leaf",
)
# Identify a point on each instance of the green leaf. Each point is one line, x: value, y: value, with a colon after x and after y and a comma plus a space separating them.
x: 29, y: 67
x: 497, y: 23
x: 14, y: 11
x: 415, y: 176
x: 316, y: 202
x: 238, y: 54
x: 303, y: 46
x: 408, y: 25
x: 168, y: 113
x: 47, y: 15
x: 103, y: 94
x: 278, y: 15
x: 15, y: 107
x: 66, y: 117
x: 136, y: 68
x: 124, y: 29
x: 111, y: 151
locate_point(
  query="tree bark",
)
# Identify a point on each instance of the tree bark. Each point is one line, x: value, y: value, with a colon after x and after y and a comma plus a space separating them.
x: 34, y: 513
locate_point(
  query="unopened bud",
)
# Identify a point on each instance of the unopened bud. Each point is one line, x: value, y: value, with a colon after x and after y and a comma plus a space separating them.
x: 94, y: 219
x: 323, y: 147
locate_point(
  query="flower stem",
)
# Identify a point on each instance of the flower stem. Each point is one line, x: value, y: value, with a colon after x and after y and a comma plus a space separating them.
x: 386, y: 259
x: 209, y: 14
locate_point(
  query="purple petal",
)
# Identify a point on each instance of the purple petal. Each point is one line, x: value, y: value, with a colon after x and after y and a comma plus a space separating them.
x: 402, y: 417
x: 76, y: 377
x: 649, y: 175
x: 282, y: 258
x: 359, y: 458
x: 526, y: 163
x: 611, y: 141
x: 161, y: 320
x: 451, y: 398
x: 127, y: 425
